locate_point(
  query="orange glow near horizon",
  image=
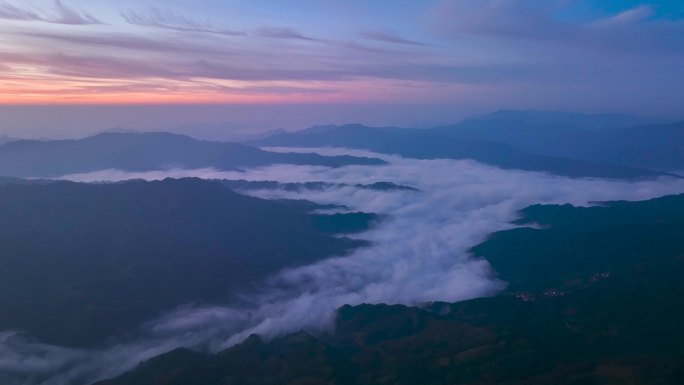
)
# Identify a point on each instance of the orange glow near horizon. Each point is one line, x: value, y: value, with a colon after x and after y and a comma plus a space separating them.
x: 53, y: 97
x: 53, y: 90
x: 37, y: 92
x: 122, y: 72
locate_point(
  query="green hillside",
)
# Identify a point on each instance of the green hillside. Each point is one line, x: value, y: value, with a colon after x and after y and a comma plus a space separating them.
x: 595, y: 298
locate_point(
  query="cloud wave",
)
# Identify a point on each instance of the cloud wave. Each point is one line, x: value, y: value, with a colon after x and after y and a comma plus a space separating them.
x: 387, y: 36
x: 60, y: 14
x: 419, y: 254
x: 170, y: 19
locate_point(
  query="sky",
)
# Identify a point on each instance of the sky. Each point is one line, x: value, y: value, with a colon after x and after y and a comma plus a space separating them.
x: 72, y: 67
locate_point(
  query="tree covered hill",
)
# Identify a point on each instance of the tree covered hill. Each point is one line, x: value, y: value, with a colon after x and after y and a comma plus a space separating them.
x: 145, y: 152
x: 595, y: 298
x: 81, y: 262
x: 434, y: 144
x: 614, y: 139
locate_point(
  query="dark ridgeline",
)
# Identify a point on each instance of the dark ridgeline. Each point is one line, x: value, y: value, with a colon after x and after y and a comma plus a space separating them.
x: 145, y: 152
x: 84, y: 262
x: 613, y: 139
x: 6, y: 139
x: 595, y: 298
x: 242, y: 184
x: 574, y: 145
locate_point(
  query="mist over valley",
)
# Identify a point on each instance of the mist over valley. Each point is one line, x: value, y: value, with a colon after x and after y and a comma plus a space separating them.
x: 341, y: 192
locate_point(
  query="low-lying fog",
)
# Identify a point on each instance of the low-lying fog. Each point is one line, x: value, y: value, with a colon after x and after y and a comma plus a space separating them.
x: 419, y: 254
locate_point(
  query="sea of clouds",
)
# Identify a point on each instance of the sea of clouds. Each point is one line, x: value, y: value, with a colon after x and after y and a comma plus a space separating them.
x: 419, y: 254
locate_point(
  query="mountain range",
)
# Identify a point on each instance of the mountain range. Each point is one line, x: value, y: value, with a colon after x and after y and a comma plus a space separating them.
x: 300, y: 186
x: 144, y: 152
x: 84, y: 262
x: 573, y: 145
x: 6, y: 139
x: 592, y: 293
x: 615, y: 139
x: 434, y: 144
x: 594, y: 299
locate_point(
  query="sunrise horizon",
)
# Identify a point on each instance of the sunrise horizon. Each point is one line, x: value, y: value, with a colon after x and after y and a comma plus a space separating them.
x: 434, y: 61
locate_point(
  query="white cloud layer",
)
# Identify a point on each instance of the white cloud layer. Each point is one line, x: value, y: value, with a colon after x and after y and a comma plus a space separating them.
x: 419, y: 254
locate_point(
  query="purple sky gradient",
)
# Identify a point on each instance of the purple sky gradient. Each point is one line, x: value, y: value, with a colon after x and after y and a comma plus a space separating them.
x: 74, y: 67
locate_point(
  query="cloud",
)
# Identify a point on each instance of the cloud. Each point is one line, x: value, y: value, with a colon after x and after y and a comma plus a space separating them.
x: 127, y: 41
x: 506, y: 53
x: 282, y: 33
x: 227, y: 62
x: 89, y: 66
x: 497, y: 18
x: 170, y: 19
x: 633, y: 30
x: 636, y: 14
x: 419, y: 254
x: 60, y: 14
x: 387, y: 37
x: 68, y: 15
x: 221, y: 62
x: 12, y: 12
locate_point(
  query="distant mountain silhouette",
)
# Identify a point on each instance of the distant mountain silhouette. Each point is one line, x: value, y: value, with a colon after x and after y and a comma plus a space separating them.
x: 273, y: 185
x: 595, y: 138
x: 6, y: 139
x: 120, y: 130
x: 226, y: 131
x: 13, y: 180
x: 561, y: 119
x: 82, y: 262
x: 426, y: 144
x: 659, y: 146
x: 595, y: 299
x: 143, y: 152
